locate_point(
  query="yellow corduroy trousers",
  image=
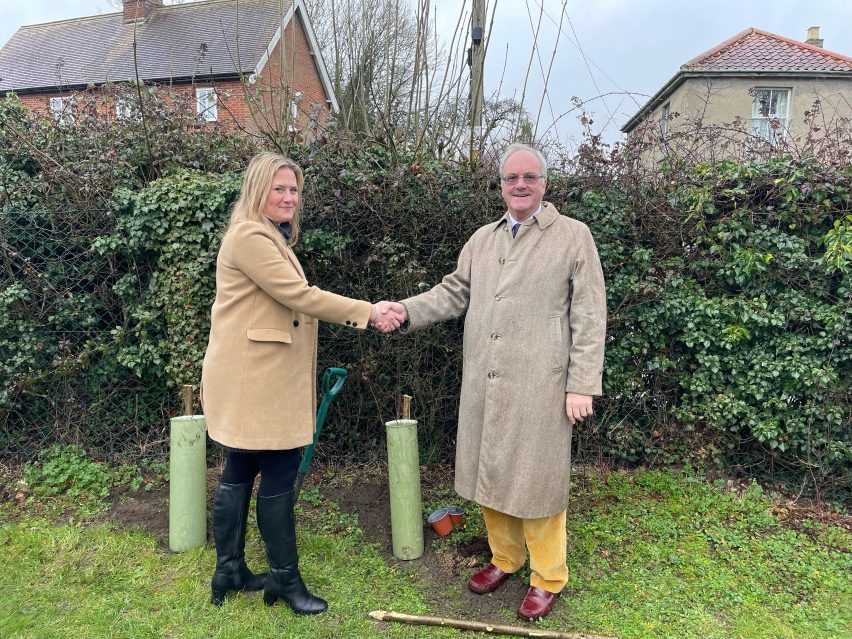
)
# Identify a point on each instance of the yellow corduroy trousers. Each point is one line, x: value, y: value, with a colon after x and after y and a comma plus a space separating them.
x: 546, y: 539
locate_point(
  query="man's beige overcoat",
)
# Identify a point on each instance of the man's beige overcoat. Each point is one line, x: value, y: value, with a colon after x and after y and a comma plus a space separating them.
x: 258, y: 383
x: 535, y: 328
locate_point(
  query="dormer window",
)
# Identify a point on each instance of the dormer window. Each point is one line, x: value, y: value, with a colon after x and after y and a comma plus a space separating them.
x: 206, y: 104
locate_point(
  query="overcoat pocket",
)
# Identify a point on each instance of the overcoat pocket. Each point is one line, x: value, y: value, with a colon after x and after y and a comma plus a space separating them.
x: 268, y: 335
x: 557, y: 343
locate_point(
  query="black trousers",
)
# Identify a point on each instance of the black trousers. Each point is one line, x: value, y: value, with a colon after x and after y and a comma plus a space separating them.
x: 277, y: 469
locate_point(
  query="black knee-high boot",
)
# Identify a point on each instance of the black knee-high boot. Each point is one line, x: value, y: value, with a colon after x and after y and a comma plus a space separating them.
x: 230, y: 514
x: 277, y: 526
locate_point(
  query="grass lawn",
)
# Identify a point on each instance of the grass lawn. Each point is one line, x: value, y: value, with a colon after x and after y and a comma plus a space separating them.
x: 652, y: 554
x: 71, y: 580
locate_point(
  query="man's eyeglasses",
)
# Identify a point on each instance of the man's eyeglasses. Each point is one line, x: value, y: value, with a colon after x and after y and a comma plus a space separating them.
x: 528, y: 178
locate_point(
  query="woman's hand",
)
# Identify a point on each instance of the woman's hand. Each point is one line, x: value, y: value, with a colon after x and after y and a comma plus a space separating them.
x: 387, y: 316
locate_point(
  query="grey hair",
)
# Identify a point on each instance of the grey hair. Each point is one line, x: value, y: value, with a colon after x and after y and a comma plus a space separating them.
x: 517, y: 146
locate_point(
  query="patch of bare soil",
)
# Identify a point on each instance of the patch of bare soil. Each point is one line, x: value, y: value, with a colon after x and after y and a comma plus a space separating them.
x: 144, y: 510
x: 443, y: 569
x: 149, y: 510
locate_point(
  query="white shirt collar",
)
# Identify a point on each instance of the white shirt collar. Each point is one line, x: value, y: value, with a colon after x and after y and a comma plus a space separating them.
x: 513, y: 221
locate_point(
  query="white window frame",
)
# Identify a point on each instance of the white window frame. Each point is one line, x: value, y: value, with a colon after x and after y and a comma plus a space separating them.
x: 124, y: 109
x: 294, y: 112
x: 665, y: 116
x: 61, y: 108
x: 206, y: 106
x: 770, y: 112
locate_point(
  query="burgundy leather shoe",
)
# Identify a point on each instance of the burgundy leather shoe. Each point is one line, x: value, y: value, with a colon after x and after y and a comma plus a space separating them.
x: 487, y: 579
x: 536, y: 604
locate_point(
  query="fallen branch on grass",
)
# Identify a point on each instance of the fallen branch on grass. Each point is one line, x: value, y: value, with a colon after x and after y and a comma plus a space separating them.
x: 480, y: 626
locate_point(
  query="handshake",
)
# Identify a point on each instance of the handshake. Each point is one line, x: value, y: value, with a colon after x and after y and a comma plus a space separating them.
x: 386, y: 317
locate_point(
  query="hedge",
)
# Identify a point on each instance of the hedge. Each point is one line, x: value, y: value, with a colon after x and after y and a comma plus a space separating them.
x: 728, y: 289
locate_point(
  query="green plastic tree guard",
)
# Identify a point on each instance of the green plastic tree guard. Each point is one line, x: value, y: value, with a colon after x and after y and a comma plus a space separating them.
x: 404, y: 480
x: 187, y: 483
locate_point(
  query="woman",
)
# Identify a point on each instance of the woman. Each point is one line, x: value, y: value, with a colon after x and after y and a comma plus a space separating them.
x: 258, y: 384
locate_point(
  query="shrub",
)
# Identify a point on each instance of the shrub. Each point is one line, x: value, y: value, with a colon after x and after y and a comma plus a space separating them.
x: 727, y: 285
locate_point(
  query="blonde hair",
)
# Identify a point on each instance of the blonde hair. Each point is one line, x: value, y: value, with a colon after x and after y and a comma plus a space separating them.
x: 257, y: 183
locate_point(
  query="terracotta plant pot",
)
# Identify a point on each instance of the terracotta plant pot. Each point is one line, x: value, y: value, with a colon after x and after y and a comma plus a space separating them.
x: 441, y: 522
x: 456, y: 515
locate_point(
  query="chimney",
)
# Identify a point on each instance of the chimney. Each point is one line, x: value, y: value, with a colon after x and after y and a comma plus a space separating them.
x: 813, y: 37
x: 139, y: 10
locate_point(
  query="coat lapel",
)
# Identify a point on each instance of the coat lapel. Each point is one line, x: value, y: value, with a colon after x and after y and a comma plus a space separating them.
x: 287, y: 252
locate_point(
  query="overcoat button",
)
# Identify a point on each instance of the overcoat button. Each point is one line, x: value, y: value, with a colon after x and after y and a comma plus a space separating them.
x: 497, y: 297
x: 354, y: 323
x: 348, y: 323
x: 494, y: 336
x: 502, y: 260
x: 295, y: 322
x: 492, y: 375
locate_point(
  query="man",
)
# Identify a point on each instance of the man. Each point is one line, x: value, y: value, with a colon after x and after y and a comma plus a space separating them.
x: 533, y: 290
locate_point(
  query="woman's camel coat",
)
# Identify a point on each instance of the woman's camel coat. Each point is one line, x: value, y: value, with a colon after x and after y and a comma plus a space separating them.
x: 535, y: 325
x: 258, y: 383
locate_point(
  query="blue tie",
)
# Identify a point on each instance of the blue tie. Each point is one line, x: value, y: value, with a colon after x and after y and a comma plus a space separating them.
x: 515, y: 228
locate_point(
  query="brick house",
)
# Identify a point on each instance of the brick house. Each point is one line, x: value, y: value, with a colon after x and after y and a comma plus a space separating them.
x: 241, y: 63
x: 761, y: 80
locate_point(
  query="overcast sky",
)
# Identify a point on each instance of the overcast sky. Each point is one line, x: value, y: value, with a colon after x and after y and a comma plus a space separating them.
x: 627, y: 48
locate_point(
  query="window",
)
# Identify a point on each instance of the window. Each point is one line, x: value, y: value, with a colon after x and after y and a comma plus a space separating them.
x: 62, y: 110
x: 665, y: 116
x: 205, y: 104
x: 124, y: 109
x: 770, y: 113
x: 294, y: 111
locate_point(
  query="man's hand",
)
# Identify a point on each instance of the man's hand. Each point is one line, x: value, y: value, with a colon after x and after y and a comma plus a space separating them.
x: 578, y: 407
x: 387, y: 316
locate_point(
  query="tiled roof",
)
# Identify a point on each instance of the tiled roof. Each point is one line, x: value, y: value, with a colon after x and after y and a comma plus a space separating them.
x: 752, y: 52
x: 756, y: 50
x: 177, y: 41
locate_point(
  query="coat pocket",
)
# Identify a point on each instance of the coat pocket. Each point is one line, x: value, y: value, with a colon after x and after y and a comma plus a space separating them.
x: 268, y: 335
x: 558, y: 348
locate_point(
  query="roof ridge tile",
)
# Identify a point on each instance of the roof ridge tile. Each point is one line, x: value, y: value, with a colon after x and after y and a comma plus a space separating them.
x: 752, y: 48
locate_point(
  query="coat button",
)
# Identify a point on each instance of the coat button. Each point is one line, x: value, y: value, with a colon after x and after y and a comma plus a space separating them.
x: 502, y: 260
x: 348, y: 323
x: 497, y: 298
x: 491, y: 374
x: 354, y: 323
x: 495, y: 336
x: 295, y: 322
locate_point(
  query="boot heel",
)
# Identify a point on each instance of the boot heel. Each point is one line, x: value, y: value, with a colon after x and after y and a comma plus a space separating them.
x: 217, y: 598
x: 269, y: 598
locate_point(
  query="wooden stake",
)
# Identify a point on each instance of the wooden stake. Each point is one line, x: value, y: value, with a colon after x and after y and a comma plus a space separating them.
x: 406, y: 406
x: 187, y: 399
x: 480, y: 626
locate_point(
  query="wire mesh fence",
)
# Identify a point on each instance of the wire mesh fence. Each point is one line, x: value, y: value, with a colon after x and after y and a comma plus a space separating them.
x: 61, y: 381
x: 84, y: 359
x: 104, y: 311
